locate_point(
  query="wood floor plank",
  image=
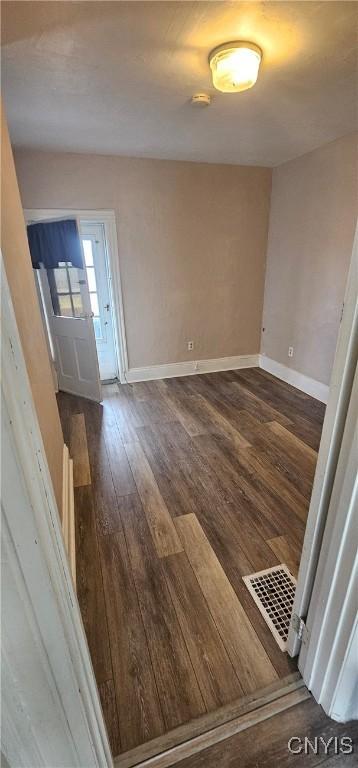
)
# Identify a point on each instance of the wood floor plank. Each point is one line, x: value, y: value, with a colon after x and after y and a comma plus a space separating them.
x: 306, y: 430
x: 264, y: 745
x: 314, y: 408
x: 282, y: 400
x: 178, y: 689
x: 104, y: 495
x: 79, y: 451
x: 184, y: 411
x: 122, y: 476
x: 256, y: 461
x: 218, y: 413
x: 67, y: 406
x: 245, y: 400
x: 190, y: 485
x: 181, y: 385
x: 109, y: 708
x: 156, y: 410
x: 260, y: 484
x: 160, y: 523
x: 287, y: 399
x: 247, y: 655
x: 122, y: 411
x: 294, y: 466
x: 222, y: 424
x: 241, y: 490
x: 236, y: 514
x: 169, y: 443
x: 89, y: 584
x: 215, y: 674
x: 296, y: 447
x: 160, y: 456
x: 146, y: 390
x: 139, y: 710
x: 286, y: 553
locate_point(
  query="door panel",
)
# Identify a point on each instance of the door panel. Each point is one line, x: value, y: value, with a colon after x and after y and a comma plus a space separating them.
x: 68, y: 308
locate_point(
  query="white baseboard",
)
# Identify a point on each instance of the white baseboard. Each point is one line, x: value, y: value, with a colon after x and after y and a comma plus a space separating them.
x: 191, y: 367
x: 299, y: 380
x: 68, y: 512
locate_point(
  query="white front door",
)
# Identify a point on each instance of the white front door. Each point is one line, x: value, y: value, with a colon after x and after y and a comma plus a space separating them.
x: 98, y: 277
x: 69, y: 314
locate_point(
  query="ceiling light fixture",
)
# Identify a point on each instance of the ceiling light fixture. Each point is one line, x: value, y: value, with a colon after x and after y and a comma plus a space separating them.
x: 235, y: 66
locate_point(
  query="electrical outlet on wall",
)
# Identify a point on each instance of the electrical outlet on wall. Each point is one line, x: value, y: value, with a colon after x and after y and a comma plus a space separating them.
x: 290, y: 351
x: 190, y: 346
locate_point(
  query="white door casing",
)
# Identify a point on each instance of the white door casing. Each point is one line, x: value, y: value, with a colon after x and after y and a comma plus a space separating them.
x: 99, y: 278
x: 331, y: 624
x: 108, y: 220
x: 51, y: 712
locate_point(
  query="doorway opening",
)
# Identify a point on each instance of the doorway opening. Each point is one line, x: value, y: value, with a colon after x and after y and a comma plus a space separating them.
x: 82, y: 309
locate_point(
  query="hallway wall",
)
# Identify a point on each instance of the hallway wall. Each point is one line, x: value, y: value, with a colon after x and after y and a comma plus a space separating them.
x: 192, y: 245
x: 314, y: 206
x: 19, y: 273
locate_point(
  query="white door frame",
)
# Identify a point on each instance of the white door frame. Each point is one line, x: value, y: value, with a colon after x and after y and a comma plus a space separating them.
x: 108, y: 219
x: 50, y: 702
x: 328, y: 659
x: 106, y: 346
x: 36, y: 556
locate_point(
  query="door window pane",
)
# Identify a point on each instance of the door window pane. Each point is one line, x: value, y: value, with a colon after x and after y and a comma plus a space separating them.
x: 77, y: 305
x: 74, y: 277
x: 61, y: 280
x: 65, y: 290
x: 65, y: 305
x: 94, y: 304
x: 87, y: 250
x: 92, y: 286
x: 91, y: 277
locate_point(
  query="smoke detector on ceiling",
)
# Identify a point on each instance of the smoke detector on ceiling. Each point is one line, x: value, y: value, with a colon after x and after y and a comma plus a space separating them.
x: 201, y: 100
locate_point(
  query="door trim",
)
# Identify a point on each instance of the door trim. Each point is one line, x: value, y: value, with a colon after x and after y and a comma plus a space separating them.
x: 44, y: 584
x: 332, y: 621
x: 108, y: 219
x: 318, y: 524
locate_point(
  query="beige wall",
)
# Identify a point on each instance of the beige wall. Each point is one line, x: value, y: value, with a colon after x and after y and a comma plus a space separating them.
x: 312, y: 224
x: 23, y: 291
x: 192, y: 245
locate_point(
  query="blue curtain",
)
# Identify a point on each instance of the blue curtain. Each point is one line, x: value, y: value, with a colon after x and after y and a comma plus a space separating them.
x: 54, y: 241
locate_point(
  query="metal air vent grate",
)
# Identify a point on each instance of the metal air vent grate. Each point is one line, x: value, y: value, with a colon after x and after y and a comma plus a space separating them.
x: 273, y: 591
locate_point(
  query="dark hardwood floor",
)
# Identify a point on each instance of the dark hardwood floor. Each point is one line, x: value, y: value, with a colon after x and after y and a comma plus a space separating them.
x: 182, y: 487
x: 266, y: 745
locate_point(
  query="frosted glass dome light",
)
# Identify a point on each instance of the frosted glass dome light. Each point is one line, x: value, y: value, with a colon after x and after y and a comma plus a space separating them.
x: 235, y: 66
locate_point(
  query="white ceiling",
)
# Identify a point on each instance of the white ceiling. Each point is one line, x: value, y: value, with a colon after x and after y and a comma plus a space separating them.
x: 117, y: 77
